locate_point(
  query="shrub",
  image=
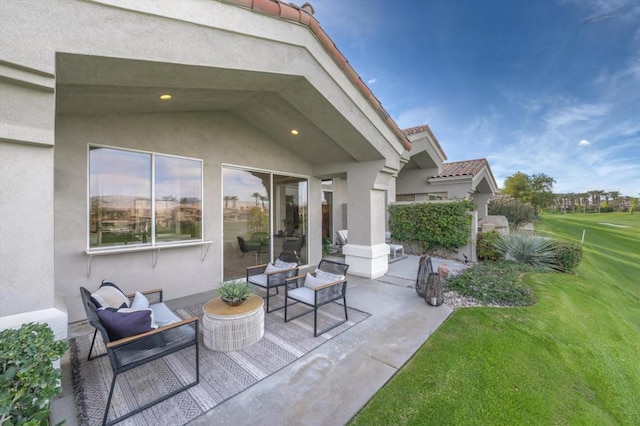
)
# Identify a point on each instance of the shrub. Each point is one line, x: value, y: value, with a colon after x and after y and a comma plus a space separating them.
x: 445, y: 225
x: 485, y: 246
x: 516, y: 212
x: 568, y: 256
x: 28, y: 380
x: 529, y: 248
x: 495, y: 283
x: 606, y: 208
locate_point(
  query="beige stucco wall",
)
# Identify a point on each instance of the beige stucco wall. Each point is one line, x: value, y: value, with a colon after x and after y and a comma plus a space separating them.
x: 205, y: 34
x: 216, y: 138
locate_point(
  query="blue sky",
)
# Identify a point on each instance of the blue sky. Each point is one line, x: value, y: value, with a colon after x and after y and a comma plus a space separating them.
x: 538, y: 86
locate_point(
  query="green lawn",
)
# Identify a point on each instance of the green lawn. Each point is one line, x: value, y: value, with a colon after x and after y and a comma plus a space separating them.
x: 572, y: 358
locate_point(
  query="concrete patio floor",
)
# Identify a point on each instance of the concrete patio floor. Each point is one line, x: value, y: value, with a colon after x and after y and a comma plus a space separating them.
x: 329, y: 385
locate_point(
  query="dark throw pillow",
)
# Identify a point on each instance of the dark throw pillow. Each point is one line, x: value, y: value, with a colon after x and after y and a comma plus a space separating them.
x: 124, y: 324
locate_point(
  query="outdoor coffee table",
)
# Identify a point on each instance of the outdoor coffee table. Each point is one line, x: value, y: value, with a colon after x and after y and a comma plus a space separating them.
x: 231, y: 328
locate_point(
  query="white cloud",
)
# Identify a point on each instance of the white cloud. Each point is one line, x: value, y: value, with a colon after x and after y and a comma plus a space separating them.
x: 372, y: 81
x: 584, y: 142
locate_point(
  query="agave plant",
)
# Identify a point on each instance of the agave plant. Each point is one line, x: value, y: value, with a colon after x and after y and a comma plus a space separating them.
x: 529, y: 248
x: 234, y: 292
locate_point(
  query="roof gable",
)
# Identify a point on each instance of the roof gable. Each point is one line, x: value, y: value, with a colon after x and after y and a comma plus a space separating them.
x: 303, y: 15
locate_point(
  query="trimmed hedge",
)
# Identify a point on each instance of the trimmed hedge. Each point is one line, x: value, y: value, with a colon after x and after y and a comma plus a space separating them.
x: 444, y: 225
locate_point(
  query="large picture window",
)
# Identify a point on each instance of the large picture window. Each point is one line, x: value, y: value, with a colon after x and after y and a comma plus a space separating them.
x: 141, y: 198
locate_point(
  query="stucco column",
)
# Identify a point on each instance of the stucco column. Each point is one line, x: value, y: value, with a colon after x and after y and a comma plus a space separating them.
x: 366, y: 252
x: 27, y: 121
x: 481, y: 201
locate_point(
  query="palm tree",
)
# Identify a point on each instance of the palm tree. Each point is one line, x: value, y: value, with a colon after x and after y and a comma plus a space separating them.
x: 226, y: 201
x: 595, y: 197
x: 257, y: 196
x: 615, y: 195
x: 234, y: 198
x: 263, y: 199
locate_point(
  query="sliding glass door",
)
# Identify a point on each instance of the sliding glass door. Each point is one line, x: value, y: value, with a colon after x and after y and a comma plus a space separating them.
x: 263, y: 215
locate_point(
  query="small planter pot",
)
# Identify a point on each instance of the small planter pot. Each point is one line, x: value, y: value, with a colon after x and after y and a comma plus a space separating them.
x: 233, y: 302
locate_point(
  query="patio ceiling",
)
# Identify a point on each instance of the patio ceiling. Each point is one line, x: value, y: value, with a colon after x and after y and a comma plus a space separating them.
x: 273, y: 103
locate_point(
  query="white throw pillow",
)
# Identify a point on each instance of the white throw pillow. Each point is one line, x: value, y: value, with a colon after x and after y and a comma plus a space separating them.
x: 312, y: 282
x: 328, y: 276
x: 284, y: 265
x: 271, y: 269
x: 139, y: 301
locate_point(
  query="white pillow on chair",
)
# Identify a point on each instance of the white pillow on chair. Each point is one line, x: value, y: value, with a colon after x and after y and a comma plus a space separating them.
x: 312, y: 282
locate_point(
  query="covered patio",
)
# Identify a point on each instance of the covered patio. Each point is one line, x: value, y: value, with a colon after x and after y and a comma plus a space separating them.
x: 331, y: 383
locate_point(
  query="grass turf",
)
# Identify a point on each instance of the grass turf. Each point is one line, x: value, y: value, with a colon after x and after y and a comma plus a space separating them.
x: 570, y: 359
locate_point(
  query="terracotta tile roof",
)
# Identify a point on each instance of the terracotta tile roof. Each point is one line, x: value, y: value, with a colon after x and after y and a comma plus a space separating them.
x: 425, y: 128
x: 463, y: 168
x: 303, y: 15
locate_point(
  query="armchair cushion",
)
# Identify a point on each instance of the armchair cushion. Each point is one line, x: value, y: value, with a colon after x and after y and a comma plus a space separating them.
x: 124, y: 324
x: 303, y: 294
x: 109, y: 296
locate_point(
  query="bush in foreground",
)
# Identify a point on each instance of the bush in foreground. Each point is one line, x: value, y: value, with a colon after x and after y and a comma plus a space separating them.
x: 494, y: 283
x: 486, y: 246
x: 28, y: 380
x: 568, y: 256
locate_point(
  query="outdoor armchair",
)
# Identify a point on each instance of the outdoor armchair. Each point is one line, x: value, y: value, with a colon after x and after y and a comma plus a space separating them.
x: 128, y: 349
x: 248, y: 246
x: 273, y: 275
x: 328, y: 283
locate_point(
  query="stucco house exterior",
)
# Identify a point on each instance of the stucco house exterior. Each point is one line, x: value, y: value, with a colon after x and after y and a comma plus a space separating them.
x: 267, y: 129
x: 426, y: 176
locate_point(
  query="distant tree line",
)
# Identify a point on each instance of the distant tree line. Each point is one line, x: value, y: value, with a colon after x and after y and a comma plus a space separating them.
x: 524, y: 196
x: 595, y: 201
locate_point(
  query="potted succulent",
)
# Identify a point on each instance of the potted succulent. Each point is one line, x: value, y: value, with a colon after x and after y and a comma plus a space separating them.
x: 234, y: 293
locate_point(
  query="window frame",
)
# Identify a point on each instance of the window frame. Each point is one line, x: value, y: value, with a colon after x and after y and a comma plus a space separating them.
x: 153, y: 244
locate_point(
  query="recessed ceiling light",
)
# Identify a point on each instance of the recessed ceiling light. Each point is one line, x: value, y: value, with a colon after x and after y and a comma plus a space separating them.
x: 165, y: 97
x: 294, y: 132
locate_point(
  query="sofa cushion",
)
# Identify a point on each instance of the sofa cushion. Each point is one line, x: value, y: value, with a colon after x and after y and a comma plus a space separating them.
x: 125, y: 324
x: 109, y: 296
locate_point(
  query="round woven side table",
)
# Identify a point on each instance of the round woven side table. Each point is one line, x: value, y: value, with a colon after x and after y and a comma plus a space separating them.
x: 231, y: 328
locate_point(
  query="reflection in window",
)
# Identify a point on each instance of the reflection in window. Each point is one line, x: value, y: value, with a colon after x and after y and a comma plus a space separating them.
x: 121, y: 196
x: 264, y: 215
x: 178, y: 199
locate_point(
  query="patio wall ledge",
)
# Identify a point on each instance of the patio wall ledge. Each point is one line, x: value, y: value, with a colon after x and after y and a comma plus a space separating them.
x: 55, y: 317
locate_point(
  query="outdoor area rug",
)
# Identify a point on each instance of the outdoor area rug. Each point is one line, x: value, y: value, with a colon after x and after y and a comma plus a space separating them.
x: 222, y: 374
